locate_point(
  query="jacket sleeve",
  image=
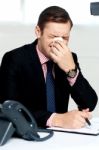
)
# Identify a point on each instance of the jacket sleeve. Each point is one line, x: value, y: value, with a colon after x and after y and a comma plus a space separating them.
x: 82, y: 92
x: 8, y: 78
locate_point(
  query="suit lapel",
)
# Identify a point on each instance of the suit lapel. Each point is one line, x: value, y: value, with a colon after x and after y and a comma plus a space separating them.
x: 36, y: 72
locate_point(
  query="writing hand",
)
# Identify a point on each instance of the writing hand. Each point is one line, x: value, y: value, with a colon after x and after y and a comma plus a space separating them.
x: 74, y: 119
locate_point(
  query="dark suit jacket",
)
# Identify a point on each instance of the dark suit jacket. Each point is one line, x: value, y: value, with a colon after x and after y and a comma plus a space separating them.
x: 21, y: 79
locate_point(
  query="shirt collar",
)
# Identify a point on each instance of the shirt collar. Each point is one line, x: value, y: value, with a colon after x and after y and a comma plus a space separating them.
x: 41, y: 56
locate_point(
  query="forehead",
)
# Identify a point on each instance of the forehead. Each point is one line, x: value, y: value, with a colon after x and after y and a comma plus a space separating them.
x: 57, y: 29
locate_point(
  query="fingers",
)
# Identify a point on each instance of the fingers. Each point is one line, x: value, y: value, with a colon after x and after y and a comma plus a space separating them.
x: 78, y: 118
x: 74, y: 119
x: 87, y: 113
x: 60, y: 46
x: 61, y: 54
x: 56, y: 52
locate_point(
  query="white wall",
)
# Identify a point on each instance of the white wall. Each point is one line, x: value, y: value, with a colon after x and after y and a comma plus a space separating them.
x: 83, y: 41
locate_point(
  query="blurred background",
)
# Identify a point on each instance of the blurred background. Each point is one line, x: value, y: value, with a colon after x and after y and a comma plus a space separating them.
x: 19, y: 17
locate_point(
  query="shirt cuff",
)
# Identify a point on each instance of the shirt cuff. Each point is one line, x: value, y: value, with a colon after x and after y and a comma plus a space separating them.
x: 73, y: 80
x: 49, y: 121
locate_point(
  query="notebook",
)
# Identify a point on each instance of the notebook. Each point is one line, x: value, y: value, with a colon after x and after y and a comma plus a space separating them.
x: 93, y: 129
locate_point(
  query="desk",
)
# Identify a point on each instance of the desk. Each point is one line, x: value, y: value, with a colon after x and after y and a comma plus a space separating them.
x: 59, y: 141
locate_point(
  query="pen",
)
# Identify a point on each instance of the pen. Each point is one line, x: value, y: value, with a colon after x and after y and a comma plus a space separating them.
x: 86, y: 119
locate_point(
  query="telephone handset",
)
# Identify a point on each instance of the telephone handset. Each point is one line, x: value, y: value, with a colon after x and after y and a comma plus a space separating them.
x: 23, y: 121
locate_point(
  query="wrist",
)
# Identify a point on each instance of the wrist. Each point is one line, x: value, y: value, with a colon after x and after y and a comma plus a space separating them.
x: 72, y: 73
x: 73, y: 80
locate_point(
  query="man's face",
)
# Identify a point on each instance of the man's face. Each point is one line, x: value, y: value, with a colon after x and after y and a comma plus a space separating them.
x: 52, y: 32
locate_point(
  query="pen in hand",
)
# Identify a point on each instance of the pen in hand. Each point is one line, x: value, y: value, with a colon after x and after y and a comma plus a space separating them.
x: 86, y: 119
x: 88, y: 122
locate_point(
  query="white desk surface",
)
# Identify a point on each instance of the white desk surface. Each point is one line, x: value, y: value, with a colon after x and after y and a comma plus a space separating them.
x: 59, y: 141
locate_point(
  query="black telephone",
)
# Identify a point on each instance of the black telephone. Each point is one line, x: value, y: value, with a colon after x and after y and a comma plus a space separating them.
x: 22, y: 120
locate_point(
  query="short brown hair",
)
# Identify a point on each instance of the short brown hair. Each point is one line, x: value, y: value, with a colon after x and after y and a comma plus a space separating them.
x: 53, y: 14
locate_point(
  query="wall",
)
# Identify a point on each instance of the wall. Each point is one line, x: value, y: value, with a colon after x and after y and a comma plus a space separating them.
x: 83, y: 41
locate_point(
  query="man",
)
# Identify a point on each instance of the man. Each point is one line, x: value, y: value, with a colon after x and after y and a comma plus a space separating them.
x: 23, y: 74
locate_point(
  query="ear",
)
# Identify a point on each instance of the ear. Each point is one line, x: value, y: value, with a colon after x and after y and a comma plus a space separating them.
x: 38, y: 31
